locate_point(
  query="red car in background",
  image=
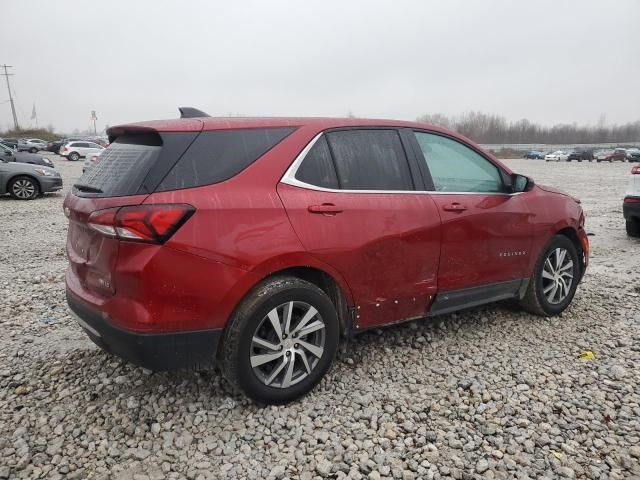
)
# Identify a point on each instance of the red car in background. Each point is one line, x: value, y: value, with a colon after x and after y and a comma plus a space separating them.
x: 618, y: 155
x: 259, y: 242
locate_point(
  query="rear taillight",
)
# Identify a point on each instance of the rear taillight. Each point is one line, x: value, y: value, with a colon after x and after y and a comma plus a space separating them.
x: 635, y: 170
x: 142, y: 223
x: 66, y: 148
x: 631, y: 199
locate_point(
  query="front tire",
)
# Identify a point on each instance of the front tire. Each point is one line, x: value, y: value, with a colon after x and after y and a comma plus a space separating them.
x: 33, y: 150
x: 633, y: 227
x: 24, y: 188
x: 74, y: 156
x: 280, y: 341
x: 555, y: 278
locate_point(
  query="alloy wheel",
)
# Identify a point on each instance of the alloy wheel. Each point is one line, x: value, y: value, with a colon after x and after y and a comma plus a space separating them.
x: 557, y: 276
x: 23, y: 188
x: 287, y: 344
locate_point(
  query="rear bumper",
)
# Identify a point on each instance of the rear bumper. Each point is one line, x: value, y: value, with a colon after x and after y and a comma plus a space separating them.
x: 631, y: 210
x: 155, y: 351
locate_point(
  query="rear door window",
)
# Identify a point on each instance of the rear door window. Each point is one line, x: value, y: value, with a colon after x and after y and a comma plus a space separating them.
x: 218, y: 155
x: 371, y: 159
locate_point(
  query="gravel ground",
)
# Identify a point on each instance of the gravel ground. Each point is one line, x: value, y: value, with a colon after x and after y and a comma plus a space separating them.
x: 488, y: 393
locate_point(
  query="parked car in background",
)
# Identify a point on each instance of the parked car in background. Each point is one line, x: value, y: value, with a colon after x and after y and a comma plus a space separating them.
x: 57, y: 144
x: 9, y: 142
x: 89, y: 161
x: 633, y: 154
x: 10, y: 155
x: 557, y: 156
x: 33, y: 145
x: 580, y: 154
x: 618, y: 155
x: 16, y: 144
x: 534, y: 155
x: 77, y: 150
x: 631, y: 204
x: 24, y: 181
x: 300, y: 231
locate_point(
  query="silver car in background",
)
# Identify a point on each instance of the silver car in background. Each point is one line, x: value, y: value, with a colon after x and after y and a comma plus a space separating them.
x: 25, y: 181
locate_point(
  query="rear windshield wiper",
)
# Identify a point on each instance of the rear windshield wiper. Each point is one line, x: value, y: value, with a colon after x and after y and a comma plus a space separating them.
x: 87, y: 188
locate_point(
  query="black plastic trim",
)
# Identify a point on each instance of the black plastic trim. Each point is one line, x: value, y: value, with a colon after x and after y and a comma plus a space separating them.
x: 154, y: 351
x: 453, y: 300
x: 190, y: 112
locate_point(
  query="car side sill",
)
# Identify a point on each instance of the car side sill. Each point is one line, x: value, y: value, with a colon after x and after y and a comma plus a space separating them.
x: 454, y: 300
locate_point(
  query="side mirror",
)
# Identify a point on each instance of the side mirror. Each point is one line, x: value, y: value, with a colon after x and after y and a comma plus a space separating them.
x: 520, y: 183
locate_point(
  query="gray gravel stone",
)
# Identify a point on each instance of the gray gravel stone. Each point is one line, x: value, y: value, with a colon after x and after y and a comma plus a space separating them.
x: 492, y: 392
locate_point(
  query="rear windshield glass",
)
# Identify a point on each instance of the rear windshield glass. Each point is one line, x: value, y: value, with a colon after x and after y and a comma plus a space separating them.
x: 219, y: 155
x: 122, y: 167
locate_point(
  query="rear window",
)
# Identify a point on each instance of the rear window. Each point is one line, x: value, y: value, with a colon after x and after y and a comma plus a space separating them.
x: 122, y: 167
x: 218, y: 155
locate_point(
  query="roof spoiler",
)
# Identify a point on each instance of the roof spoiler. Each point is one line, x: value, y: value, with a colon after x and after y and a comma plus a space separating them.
x: 190, y: 112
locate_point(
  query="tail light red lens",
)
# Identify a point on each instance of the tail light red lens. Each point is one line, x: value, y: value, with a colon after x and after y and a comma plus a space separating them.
x: 635, y: 170
x: 141, y: 223
x: 66, y: 148
x: 632, y: 200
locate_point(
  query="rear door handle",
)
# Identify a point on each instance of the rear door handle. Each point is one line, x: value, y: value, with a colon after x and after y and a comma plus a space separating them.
x: 455, y: 207
x: 325, y: 208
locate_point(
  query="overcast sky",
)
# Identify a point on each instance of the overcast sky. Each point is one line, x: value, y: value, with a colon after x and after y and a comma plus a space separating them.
x: 548, y: 61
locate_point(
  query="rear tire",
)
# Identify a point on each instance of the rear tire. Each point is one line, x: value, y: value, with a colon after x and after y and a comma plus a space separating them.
x: 633, y: 227
x: 24, y: 188
x: 294, y: 369
x: 548, y: 293
x: 74, y: 156
x: 33, y: 150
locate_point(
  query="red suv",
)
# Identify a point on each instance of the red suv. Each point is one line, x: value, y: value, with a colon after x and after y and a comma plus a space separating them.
x: 259, y: 242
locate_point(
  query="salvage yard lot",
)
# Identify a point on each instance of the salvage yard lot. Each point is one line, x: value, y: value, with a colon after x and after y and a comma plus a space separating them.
x: 493, y: 392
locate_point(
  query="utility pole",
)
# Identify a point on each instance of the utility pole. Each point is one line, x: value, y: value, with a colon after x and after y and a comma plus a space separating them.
x: 13, y: 107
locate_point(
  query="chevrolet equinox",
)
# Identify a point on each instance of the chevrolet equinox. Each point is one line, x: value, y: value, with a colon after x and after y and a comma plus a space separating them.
x: 258, y: 242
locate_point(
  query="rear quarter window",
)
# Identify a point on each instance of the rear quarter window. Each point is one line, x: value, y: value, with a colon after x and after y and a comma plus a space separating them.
x: 218, y: 155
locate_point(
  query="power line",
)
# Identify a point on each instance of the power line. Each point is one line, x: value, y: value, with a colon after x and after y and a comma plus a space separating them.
x: 13, y: 107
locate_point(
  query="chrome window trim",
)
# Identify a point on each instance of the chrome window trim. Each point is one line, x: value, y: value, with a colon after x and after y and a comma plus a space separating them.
x: 289, y: 178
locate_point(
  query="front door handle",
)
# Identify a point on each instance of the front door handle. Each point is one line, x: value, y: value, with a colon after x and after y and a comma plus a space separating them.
x: 325, y: 209
x: 455, y: 207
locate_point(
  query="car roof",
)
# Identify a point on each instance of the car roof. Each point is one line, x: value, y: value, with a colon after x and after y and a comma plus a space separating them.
x: 228, y: 123
x: 198, y: 124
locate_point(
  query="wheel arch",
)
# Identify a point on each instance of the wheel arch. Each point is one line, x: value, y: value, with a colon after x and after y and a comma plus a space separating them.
x: 334, y: 286
x: 572, y: 234
x: 306, y: 267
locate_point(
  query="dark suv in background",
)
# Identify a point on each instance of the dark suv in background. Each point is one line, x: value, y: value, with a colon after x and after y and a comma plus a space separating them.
x: 580, y: 154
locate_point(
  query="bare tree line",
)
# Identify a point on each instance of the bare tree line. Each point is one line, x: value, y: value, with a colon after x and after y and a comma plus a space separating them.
x: 489, y: 128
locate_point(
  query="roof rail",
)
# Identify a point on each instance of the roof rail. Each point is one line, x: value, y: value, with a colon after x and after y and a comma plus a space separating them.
x: 190, y: 112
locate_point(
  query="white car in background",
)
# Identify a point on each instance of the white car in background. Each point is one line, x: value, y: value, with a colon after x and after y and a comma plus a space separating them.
x: 557, y: 156
x: 79, y: 149
x: 90, y: 160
